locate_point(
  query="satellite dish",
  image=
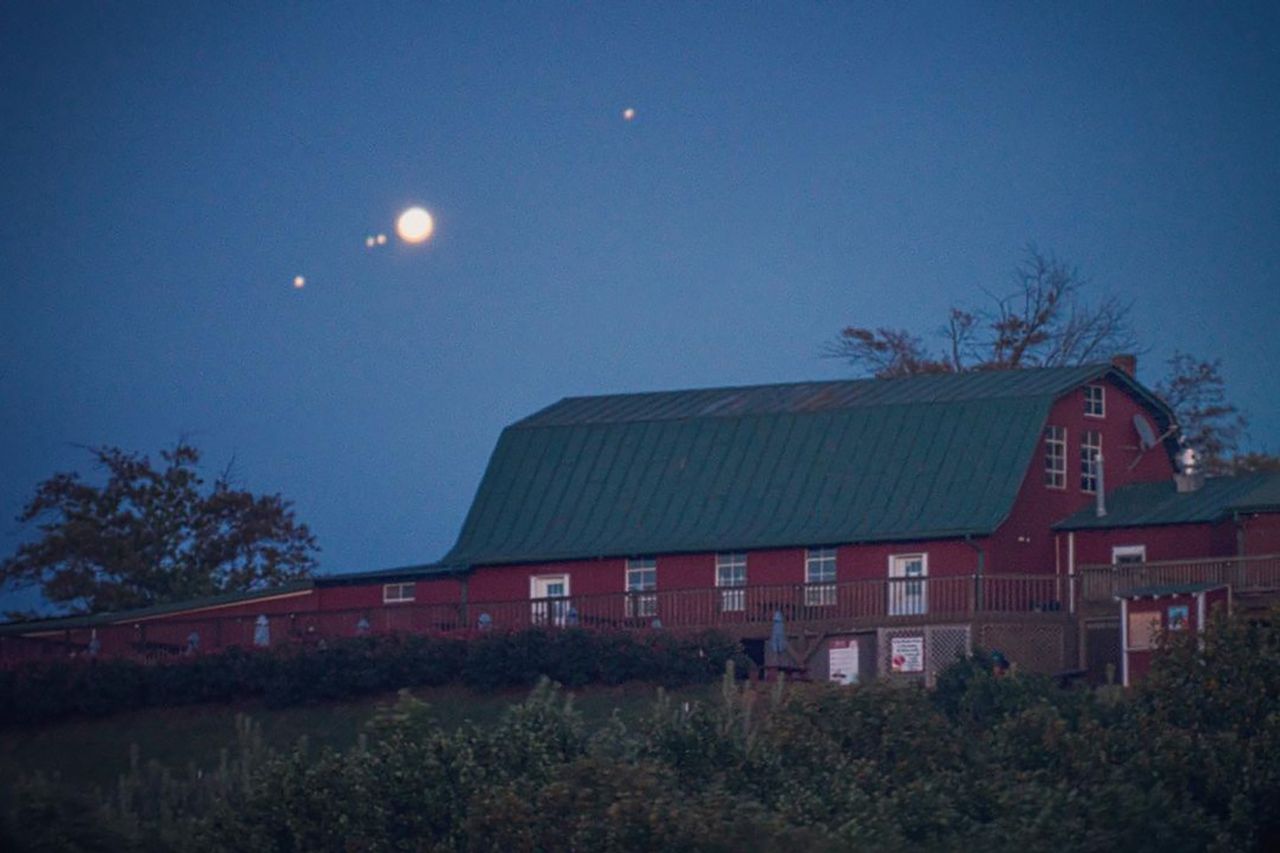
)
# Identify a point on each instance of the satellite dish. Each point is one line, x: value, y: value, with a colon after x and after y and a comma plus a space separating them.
x: 1146, y: 433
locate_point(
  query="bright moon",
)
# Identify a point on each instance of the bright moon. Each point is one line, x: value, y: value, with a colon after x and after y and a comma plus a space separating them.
x: 415, y: 225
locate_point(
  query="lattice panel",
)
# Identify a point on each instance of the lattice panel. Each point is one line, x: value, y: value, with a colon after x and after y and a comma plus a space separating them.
x: 945, y: 644
x: 1031, y: 647
x: 939, y: 645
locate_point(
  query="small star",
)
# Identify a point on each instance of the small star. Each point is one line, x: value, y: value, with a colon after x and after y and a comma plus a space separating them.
x: 299, y: 282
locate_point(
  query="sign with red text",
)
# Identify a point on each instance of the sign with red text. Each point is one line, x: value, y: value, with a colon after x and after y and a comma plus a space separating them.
x: 906, y: 654
x: 842, y: 661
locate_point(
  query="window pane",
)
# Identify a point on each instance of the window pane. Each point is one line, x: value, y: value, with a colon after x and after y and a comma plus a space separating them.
x: 1055, y: 457
x: 1090, y: 448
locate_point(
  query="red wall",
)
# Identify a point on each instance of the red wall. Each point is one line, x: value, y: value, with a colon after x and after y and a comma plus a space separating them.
x: 1024, y: 543
x: 1165, y: 542
x: 444, y: 590
x: 1140, y: 660
x: 511, y: 583
x: 1261, y: 533
x: 770, y: 567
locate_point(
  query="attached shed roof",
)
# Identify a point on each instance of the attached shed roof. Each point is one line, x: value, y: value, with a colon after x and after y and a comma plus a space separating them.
x: 765, y: 466
x: 403, y: 573
x: 1166, y: 590
x: 1152, y: 504
x: 65, y: 623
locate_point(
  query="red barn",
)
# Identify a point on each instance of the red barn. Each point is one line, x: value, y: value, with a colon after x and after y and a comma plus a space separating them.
x: 936, y: 512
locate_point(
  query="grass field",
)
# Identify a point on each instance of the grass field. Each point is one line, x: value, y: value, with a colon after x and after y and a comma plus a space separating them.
x: 94, y: 752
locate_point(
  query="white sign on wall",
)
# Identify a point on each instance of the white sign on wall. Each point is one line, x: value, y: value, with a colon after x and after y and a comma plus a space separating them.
x: 906, y: 654
x: 842, y: 661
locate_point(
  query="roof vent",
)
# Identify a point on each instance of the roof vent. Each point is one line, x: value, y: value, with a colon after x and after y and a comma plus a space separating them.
x: 1191, y: 478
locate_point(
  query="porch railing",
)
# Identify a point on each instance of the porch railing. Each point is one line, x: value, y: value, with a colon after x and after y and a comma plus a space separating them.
x: 1245, y: 575
x: 875, y: 601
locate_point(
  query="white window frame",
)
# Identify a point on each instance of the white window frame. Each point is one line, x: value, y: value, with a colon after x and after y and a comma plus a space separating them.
x: 1088, y: 475
x: 1101, y: 401
x: 394, y: 593
x: 908, y: 593
x: 1055, y: 464
x: 1118, y: 551
x: 820, y: 591
x: 642, y: 598
x: 549, y: 609
x: 731, y: 579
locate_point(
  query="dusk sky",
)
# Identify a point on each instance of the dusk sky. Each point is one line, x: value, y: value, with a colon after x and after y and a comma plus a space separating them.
x: 169, y: 168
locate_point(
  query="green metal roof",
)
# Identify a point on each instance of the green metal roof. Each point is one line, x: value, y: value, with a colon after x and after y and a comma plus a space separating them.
x: 73, y: 622
x: 1166, y: 590
x: 404, y: 573
x: 1149, y: 504
x: 765, y: 466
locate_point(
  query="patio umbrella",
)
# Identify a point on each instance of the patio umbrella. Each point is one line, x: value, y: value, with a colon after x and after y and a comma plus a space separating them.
x: 262, y: 632
x: 778, y: 639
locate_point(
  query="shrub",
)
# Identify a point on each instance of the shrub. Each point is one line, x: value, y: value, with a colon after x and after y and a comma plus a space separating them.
x: 347, y: 668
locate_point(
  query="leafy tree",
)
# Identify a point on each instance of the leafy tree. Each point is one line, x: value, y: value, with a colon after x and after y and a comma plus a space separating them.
x: 152, y: 534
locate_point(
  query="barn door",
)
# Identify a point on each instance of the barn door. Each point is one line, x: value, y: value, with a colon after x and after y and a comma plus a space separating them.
x: 550, y: 595
x: 907, y: 593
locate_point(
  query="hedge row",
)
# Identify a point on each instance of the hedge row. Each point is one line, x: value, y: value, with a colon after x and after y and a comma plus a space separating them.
x: 291, y: 675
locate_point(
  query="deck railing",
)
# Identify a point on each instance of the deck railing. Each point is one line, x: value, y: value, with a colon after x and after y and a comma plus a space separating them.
x: 858, y: 603
x: 1245, y: 575
x: 875, y: 601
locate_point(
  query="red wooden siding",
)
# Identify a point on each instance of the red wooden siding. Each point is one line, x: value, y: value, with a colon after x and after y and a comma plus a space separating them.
x: 1024, y: 544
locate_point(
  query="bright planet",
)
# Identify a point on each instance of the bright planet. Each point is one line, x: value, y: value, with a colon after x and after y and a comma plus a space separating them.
x: 415, y: 225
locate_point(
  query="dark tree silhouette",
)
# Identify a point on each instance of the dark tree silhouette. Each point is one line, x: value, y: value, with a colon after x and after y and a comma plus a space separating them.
x: 1042, y: 321
x: 151, y: 535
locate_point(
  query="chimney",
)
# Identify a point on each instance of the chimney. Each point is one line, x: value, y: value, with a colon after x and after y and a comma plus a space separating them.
x: 1100, y: 496
x: 1126, y: 361
x: 1191, y: 477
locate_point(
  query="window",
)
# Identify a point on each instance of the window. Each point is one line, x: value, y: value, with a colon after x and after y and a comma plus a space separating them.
x: 820, y: 576
x: 1144, y: 629
x: 907, y: 593
x: 1090, y: 452
x: 1125, y: 554
x: 731, y: 577
x: 1055, y: 457
x: 397, y: 592
x: 1095, y: 401
x: 642, y: 581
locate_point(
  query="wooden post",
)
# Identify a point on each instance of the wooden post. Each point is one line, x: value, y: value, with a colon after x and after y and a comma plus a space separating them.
x: 462, y: 602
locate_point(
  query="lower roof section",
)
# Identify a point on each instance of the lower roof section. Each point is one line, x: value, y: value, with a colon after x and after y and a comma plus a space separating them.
x: 1160, y: 503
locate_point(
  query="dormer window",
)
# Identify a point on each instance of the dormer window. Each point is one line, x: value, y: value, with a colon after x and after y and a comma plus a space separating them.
x: 1095, y: 401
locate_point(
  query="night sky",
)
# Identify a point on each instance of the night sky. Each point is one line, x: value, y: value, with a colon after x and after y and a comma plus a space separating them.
x: 169, y: 168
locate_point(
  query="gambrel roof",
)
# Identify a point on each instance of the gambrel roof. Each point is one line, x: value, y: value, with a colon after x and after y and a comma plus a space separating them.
x: 812, y: 463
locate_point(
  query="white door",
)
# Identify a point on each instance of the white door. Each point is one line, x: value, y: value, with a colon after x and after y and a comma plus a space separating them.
x: 907, y: 592
x: 545, y: 591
